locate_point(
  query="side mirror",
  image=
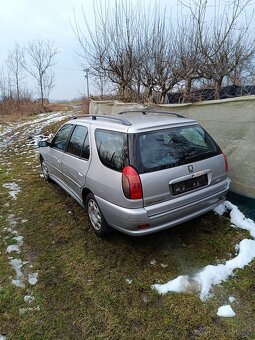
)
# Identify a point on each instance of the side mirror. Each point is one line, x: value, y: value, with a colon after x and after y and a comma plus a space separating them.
x: 43, y: 144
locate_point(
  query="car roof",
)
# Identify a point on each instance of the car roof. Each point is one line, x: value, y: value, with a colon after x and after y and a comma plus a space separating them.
x: 132, y: 122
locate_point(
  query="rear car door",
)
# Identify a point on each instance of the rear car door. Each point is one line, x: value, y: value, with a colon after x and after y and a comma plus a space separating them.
x: 76, y: 160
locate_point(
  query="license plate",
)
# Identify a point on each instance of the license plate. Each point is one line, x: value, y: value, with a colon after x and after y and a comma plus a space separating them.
x: 190, y: 184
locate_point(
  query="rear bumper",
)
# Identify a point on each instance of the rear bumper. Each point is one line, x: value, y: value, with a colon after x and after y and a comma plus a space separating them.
x: 128, y: 220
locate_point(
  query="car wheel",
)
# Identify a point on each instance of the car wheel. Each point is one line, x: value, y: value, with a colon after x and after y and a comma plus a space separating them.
x: 96, y: 217
x: 45, y: 171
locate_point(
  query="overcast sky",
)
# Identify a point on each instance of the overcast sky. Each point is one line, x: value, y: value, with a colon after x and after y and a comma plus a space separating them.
x: 22, y: 20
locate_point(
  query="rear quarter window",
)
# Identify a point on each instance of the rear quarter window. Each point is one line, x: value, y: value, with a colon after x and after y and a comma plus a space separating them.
x: 112, y: 149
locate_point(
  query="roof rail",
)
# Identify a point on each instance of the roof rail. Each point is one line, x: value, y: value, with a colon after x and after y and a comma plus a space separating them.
x: 145, y: 112
x: 123, y: 121
x: 81, y: 116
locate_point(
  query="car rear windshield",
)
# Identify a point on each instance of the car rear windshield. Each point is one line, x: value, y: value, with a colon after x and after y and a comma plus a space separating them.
x: 163, y: 149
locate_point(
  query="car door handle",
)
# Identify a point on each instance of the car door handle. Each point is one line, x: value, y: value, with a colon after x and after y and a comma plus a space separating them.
x: 80, y: 174
x: 59, y: 161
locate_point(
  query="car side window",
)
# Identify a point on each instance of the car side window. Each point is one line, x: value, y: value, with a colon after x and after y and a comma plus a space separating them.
x: 61, y: 138
x: 77, y: 141
x: 86, y: 150
x: 112, y: 149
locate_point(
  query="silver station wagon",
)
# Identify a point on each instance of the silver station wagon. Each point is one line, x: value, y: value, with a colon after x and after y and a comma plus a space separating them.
x: 138, y: 172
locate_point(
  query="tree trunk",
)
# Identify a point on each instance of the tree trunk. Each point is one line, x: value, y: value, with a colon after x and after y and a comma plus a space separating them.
x: 123, y: 92
x: 18, y: 94
x: 138, y: 90
x: 41, y: 89
x: 101, y: 88
x: 150, y: 88
x: 188, y: 83
x: 163, y: 96
x: 17, y: 90
x: 218, y: 84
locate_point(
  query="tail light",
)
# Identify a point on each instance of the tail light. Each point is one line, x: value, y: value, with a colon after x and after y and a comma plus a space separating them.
x: 226, y: 162
x: 131, y: 183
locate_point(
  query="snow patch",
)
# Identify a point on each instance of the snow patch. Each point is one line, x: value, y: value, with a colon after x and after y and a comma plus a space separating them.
x: 231, y: 299
x: 17, y: 265
x: 239, y: 220
x: 220, y: 210
x: 13, y: 247
x: 28, y: 309
x: 37, y: 138
x: 215, y: 274
x: 11, y: 220
x: 29, y: 298
x: 34, y: 126
x: 19, y: 239
x: 226, y: 311
x: 163, y: 265
x: 14, y: 189
x: 177, y: 285
x: 153, y: 262
x: 33, y: 278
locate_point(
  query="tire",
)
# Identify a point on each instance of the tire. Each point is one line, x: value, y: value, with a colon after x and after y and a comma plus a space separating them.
x: 45, y: 171
x: 96, y: 217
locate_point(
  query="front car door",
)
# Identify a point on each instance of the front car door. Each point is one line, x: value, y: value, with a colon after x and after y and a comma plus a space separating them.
x: 56, y: 151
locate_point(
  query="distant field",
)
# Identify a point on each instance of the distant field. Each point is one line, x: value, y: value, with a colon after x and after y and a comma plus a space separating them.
x: 91, y: 288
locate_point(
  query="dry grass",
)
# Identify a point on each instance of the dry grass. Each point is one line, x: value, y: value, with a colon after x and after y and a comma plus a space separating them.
x: 9, y: 107
x: 85, y: 105
x: 11, y: 110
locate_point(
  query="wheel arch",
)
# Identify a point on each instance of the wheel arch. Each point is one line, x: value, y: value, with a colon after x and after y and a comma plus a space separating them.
x: 85, y: 192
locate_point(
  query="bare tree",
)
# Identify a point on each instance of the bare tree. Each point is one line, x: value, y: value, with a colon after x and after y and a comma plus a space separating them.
x: 2, y: 84
x: 187, y: 51
x: 48, y: 83
x: 41, y: 59
x: 141, y: 52
x: 157, y: 65
x: 5, y: 84
x: 243, y: 75
x: 109, y: 50
x: 130, y: 46
x: 224, y: 41
x: 15, y: 62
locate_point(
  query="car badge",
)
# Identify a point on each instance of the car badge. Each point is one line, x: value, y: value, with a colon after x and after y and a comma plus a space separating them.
x: 190, y: 168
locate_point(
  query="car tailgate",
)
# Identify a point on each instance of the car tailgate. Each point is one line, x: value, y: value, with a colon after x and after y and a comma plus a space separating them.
x: 158, y: 185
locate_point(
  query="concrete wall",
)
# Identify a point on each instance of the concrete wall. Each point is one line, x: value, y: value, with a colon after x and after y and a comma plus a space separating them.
x: 231, y: 122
